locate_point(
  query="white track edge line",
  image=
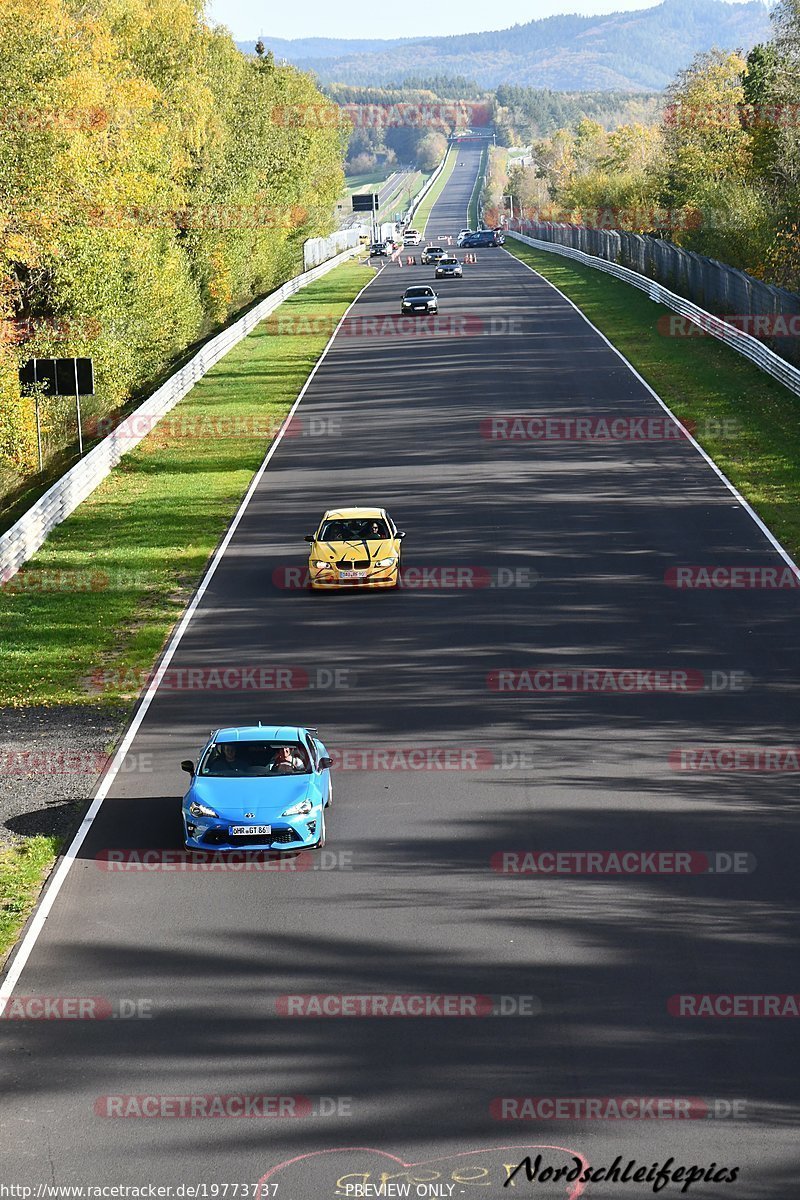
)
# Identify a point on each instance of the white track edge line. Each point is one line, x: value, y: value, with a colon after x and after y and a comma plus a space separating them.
x: 41, y: 914
x: 770, y: 536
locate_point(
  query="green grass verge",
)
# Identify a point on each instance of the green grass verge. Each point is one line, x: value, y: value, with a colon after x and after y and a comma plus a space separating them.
x: 745, y: 421
x: 420, y: 218
x: 474, y: 200
x: 405, y: 192
x: 374, y: 179
x: 22, y: 869
x: 87, y: 616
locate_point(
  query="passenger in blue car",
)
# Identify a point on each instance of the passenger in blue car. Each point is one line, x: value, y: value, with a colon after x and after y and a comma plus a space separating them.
x: 227, y: 762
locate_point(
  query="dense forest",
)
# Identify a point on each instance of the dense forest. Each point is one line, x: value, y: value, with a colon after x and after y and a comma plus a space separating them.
x: 719, y: 173
x: 394, y: 124
x: 150, y: 185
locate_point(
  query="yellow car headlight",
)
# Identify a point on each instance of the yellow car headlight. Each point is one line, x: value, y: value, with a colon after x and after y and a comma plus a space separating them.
x: 385, y: 562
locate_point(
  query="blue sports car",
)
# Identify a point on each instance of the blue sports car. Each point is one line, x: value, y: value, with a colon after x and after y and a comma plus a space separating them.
x: 258, y: 787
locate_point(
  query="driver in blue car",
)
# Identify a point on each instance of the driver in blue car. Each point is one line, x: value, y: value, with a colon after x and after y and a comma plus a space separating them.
x: 286, y: 761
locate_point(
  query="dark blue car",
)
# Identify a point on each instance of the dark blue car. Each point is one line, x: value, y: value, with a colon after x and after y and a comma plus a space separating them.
x: 482, y: 237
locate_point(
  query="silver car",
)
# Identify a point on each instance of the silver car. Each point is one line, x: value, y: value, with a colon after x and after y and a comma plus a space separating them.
x: 449, y: 268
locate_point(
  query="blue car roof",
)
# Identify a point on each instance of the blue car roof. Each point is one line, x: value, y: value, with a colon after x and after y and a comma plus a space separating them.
x: 260, y: 733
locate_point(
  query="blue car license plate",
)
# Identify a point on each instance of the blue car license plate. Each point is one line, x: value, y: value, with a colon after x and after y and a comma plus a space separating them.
x: 247, y: 830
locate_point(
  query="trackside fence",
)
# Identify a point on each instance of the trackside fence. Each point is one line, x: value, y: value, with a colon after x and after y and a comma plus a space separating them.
x: 25, y: 537
x: 716, y: 326
x: 422, y: 193
x: 318, y: 250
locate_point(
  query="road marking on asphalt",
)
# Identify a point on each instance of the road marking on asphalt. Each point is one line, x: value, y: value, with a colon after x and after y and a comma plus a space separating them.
x: 770, y: 536
x: 52, y: 889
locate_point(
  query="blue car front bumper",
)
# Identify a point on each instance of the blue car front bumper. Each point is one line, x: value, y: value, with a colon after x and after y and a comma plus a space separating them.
x: 295, y: 833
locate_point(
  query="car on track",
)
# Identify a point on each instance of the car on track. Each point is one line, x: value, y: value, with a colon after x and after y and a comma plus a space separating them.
x: 462, y: 234
x: 431, y: 254
x: 419, y: 300
x: 258, y: 787
x: 355, y: 547
x: 412, y: 237
x: 482, y: 237
x: 379, y: 249
x: 449, y: 268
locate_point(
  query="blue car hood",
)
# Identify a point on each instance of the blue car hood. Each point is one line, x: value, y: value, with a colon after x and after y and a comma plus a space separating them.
x: 263, y: 796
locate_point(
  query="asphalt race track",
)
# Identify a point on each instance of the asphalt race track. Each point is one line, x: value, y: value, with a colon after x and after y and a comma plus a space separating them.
x: 563, y: 547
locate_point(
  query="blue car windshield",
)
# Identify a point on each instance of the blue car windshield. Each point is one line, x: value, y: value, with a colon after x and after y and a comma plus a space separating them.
x: 253, y: 759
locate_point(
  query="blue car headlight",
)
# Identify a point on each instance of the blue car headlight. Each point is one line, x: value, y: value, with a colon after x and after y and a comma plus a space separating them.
x: 301, y: 809
x: 201, y: 810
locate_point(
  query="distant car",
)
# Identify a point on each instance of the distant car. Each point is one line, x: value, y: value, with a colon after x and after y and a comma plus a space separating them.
x: 355, y: 547
x: 431, y: 254
x: 482, y: 237
x: 465, y: 233
x: 412, y: 237
x: 419, y: 299
x: 258, y: 787
x: 449, y: 268
x: 377, y: 250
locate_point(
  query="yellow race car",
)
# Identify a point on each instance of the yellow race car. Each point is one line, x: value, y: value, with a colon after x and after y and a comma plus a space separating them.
x: 355, y: 547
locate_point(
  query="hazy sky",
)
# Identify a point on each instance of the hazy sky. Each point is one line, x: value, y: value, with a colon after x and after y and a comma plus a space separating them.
x: 247, y: 19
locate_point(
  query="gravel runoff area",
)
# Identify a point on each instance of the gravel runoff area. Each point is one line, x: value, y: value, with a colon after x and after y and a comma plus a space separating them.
x: 51, y: 760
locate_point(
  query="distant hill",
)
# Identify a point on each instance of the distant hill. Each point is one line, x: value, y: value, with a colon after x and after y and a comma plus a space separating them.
x: 315, y: 48
x: 624, y: 50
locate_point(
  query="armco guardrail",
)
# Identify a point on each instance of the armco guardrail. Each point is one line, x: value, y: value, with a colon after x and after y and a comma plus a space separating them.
x: 426, y: 187
x: 25, y: 537
x: 743, y: 343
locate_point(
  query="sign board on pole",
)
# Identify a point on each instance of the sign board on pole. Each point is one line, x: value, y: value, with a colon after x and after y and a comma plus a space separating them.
x: 365, y: 202
x: 59, y: 376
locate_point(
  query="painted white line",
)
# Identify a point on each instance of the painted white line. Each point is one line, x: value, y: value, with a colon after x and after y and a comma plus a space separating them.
x: 768, y: 534
x: 57, y: 881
